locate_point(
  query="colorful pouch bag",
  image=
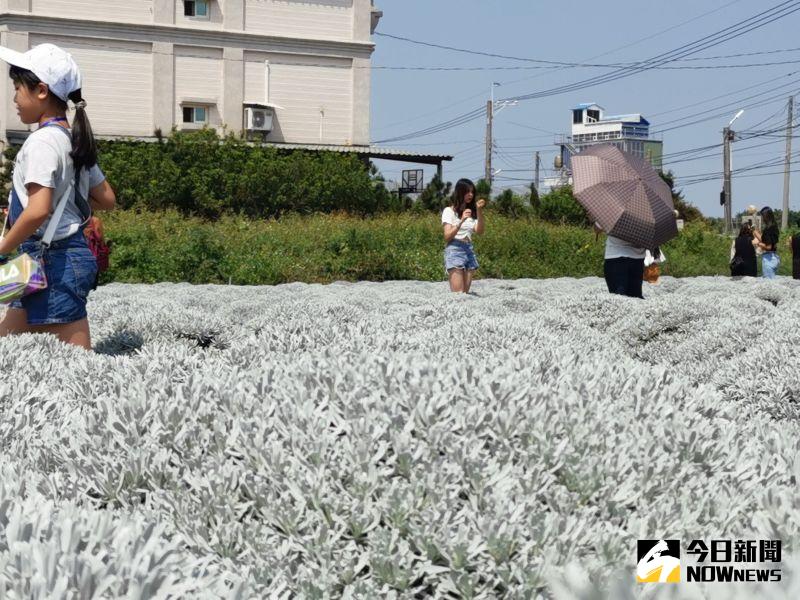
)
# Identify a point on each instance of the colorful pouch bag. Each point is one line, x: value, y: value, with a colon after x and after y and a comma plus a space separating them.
x: 24, y: 274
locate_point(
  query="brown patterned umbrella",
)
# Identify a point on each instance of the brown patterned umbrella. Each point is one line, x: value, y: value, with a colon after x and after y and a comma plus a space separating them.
x: 625, y: 195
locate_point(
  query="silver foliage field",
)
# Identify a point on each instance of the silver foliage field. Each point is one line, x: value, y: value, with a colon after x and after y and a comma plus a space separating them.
x: 394, y: 440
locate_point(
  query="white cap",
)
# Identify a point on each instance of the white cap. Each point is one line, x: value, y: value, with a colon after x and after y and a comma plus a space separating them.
x: 50, y: 64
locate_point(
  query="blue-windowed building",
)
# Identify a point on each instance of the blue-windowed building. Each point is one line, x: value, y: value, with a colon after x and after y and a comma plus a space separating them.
x: 590, y: 126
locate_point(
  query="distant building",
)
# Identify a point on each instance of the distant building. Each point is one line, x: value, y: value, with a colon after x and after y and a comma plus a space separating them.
x: 294, y: 74
x: 591, y: 126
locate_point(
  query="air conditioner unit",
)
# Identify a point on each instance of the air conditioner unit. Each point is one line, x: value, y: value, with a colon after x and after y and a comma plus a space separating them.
x: 258, y: 119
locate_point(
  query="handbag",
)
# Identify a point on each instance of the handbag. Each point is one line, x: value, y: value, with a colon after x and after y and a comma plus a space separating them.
x: 651, y: 273
x: 25, y: 274
x: 737, y: 263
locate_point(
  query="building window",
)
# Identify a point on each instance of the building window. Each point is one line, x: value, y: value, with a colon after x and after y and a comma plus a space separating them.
x: 195, y: 8
x: 577, y: 116
x: 195, y: 115
x: 592, y: 116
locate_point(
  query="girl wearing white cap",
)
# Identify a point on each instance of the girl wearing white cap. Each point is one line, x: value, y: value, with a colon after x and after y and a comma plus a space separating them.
x: 55, y: 177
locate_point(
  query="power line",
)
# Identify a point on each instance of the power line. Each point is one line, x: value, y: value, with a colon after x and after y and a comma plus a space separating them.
x: 438, y: 69
x: 647, y: 38
x: 727, y: 34
x: 743, y: 27
x: 720, y: 113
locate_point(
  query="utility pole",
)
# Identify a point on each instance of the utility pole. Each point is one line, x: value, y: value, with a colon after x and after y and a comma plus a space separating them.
x: 787, y: 164
x: 727, y: 138
x: 537, y: 163
x: 728, y: 135
x: 489, y: 141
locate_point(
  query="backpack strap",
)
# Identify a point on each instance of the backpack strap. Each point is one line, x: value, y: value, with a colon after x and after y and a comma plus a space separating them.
x: 74, y: 192
x: 55, y: 218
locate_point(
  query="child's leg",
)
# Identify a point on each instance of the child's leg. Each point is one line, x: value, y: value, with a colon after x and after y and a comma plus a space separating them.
x: 468, y: 280
x: 15, y: 321
x: 456, y: 277
x: 76, y: 333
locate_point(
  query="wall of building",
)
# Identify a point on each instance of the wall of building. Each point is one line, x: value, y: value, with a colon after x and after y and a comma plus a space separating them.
x: 136, y: 79
x: 129, y: 11
x: 314, y: 95
x: 117, y: 82
x: 199, y: 81
x: 215, y: 20
x: 318, y: 19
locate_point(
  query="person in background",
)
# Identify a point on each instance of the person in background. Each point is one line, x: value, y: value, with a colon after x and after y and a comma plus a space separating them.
x: 623, y: 266
x: 794, y: 244
x: 768, y: 242
x: 743, y: 253
x: 461, y: 220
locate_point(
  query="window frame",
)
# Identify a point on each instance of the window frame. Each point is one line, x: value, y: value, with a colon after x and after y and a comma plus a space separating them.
x: 195, y: 16
x: 194, y: 123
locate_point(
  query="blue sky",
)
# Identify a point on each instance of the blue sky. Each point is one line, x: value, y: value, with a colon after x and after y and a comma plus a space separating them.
x: 614, y: 31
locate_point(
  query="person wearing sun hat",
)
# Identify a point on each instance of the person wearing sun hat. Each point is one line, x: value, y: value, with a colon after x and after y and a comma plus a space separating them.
x: 55, y: 176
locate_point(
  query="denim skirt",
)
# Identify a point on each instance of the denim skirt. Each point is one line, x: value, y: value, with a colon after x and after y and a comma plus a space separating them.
x: 459, y: 255
x: 70, y: 268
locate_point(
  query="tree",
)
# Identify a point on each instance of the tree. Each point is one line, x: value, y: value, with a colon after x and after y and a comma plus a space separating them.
x: 560, y: 206
x: 483, y: 189
x: 435, y: 194
x: 686, y: 211
x: 510, y: 204
x: 536, y: 203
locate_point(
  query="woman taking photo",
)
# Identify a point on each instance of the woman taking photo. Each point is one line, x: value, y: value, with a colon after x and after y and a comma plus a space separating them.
x: 768, y: 242
x: 461, y: 220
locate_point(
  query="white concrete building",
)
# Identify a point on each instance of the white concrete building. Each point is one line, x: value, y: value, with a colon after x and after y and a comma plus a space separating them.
x: 292, y: 71
x: 590, y: 126
x: 631, y: 133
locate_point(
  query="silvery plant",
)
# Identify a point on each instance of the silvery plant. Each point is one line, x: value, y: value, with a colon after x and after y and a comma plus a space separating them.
x: 394, y: 440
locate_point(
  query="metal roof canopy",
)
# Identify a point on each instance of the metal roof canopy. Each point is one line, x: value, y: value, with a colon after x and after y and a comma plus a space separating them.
x: 368, y: 152
x: 363, y: 152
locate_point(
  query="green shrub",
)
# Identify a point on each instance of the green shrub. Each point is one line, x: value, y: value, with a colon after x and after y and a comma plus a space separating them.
x: 199, y: 174
x: 560, y: 206
x: 511, y: 205
x: 167, y: 246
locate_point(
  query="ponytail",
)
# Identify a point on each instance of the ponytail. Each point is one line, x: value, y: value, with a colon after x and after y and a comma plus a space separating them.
x: 84, y: 146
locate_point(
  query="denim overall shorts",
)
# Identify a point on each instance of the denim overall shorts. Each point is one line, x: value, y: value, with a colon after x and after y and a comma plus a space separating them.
x: 70, y: 268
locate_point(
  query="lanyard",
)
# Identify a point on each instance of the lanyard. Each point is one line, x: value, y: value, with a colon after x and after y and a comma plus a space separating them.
x: 53, y: 120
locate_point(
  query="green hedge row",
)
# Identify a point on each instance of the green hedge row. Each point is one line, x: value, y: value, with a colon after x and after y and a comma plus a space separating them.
x: 166, y: 246
x: 200, y: 174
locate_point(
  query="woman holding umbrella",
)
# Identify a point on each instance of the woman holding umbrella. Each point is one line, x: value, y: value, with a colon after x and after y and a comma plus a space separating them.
x: 623, y: 267
x: 628, y: 200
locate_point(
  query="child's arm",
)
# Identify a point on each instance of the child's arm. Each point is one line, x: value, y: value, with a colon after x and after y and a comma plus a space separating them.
x: 40, y: 200
x: 102, y: 197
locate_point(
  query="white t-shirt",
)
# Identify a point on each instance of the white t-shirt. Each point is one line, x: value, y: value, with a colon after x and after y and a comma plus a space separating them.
x: 45, y: 159
x: 449, y: 217
x: 617, y: 248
